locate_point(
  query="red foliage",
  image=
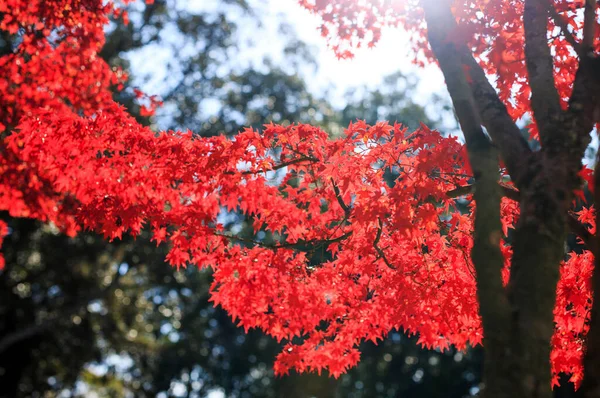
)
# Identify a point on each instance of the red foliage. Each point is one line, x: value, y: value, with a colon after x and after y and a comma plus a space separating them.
x: 398, y: 255
x: 492, y: 29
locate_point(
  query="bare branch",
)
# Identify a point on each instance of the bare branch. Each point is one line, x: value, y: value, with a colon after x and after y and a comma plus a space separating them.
x: 584, y: 107
x: 486, y: 255
x: 505, y: 134
x: 584, y: 104
x: 461, y: 191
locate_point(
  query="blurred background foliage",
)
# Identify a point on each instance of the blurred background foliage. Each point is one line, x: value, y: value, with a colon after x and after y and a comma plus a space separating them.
x: 83, y: 317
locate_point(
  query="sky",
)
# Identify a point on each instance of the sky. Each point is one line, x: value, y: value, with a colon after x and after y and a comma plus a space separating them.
x: 368, y: 66
x: 335, y: 76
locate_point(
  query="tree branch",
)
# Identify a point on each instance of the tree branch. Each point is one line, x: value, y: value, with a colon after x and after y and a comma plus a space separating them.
x: 279, y: 166
x: 300, y: 245
x: 574, y: 225
x: 584, y: 104
x: 583, y: 111
x: 506, y: 135
x: 339, y: 198
x: 507, y: 191
x: 486, y: 255
x: 580, y: 230
x: 562, y: 24
x: 378, y: 249
x: 545, y: 101
x: 590, y: 25
x: 584, y: 107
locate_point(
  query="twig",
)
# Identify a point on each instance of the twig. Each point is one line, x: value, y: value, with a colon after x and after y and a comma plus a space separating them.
x: 562, y: 24
x: 378, y: 249
x: 301, y: 245
x: 339, y: 198
x: 579, y: 229
x: 278, y: 166
x: 508, y: 191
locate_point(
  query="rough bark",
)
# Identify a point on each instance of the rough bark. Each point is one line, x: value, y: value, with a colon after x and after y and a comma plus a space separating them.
x: 579, y: 119
x: 538, y: 248
x: 546, y: 192
x: 590, y: 387
x: 545, y: 101
x: 590, y: 25
x: 518, y: 321
x: 505, y: 134
x: 584, y: 109
x: 486, y: 255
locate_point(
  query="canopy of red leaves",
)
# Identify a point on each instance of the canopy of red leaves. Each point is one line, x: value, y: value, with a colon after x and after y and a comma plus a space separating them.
x: 398, y: 254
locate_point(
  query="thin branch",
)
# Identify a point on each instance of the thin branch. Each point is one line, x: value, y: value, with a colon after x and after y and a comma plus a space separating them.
x: 507, y: 191
x: 461, y: 191
x: 378, y: 249
x: 580, y: 230
x: 309, y: 159
x: 300, y: 245
x: 279, y: 166
x: 339, y: 198
x: 562, y: 24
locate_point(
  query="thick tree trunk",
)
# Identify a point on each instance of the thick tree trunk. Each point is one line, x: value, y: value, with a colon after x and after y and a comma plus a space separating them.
x: 519, y: 366
x: 533, y: 304
x: 518, y: 321
x: 590, y: 387
x: 538, y: 250
x: 500, y: 373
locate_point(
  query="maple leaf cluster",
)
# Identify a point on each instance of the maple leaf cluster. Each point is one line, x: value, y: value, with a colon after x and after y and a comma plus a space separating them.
x: 54, y: 66
x: 397, y: 252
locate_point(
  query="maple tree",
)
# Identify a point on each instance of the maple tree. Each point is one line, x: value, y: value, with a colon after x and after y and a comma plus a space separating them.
x: 400, y: 255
